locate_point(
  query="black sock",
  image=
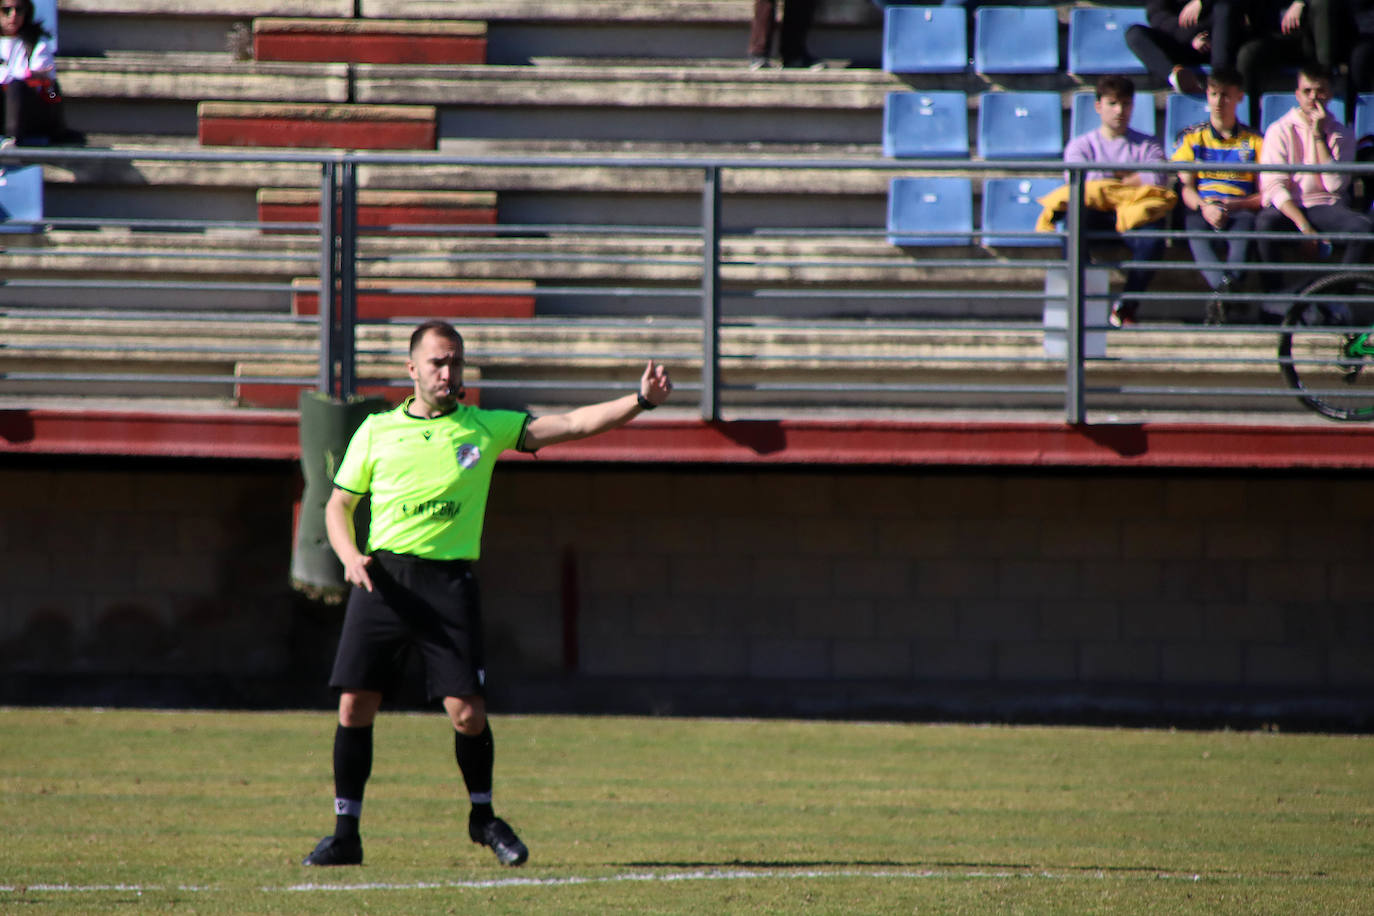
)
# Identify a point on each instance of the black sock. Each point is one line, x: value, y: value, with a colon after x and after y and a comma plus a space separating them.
x: 476, y: 755
x: 352, y: 767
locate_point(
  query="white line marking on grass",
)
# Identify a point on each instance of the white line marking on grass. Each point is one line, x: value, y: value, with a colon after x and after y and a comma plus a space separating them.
x: 648, y: 877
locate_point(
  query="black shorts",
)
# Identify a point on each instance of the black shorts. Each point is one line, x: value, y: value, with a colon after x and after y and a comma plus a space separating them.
x: 433, y: 605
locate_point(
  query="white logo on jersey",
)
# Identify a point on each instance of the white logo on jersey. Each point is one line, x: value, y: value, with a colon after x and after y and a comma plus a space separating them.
x: 469, y: 455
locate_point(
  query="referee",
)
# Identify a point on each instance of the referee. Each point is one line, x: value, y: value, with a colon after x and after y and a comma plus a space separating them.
x: 427, y: 466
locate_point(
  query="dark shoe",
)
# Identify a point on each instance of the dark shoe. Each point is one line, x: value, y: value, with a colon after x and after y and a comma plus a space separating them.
x: 333, y: 850
x: 1122, y: 314
x: 804, y: 63
x: 497, y: 834
x: 1216, y: 312
x: 1187, y: 81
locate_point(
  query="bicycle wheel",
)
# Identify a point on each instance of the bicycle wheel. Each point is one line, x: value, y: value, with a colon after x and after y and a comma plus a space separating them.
x: 1324, y: 347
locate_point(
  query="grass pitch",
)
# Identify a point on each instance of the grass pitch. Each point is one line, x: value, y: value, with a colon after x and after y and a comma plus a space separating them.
x: 139, y: 812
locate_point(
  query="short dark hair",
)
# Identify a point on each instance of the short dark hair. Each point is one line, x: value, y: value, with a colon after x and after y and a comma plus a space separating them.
x: 1115, y: 85
x: 1226, y: 77
x: 438, y: 326
x: 1315, y: 71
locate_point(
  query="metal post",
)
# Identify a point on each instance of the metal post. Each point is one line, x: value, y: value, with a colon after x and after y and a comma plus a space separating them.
x: 710, y: 294
x: 329, y: 183
x: 348, y: 281
x: 1073, y: 303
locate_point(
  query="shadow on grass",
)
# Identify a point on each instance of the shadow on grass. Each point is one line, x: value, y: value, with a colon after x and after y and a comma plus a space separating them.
x: 892, y: 863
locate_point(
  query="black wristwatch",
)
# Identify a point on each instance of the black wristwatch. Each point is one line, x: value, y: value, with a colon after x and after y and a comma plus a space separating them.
x: 644, y: 403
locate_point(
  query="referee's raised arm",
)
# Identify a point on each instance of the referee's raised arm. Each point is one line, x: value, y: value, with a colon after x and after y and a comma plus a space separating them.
x: 654, y: 388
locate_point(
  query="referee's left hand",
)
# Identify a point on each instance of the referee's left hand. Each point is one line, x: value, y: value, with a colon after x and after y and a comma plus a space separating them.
x: 655, y: 385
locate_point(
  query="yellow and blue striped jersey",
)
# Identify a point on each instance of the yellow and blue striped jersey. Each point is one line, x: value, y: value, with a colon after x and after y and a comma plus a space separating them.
x: 1202, y: 142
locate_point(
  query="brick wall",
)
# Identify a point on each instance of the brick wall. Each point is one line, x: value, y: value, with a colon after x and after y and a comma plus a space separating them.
x: 1178, y: 579
x: 1166, y: 579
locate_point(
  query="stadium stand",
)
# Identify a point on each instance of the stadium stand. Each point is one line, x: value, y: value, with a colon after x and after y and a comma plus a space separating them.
x: 370, y: 41
x: 1274, y: 105
x: 921, y: 209
x: 1180, y: 111
x: 145, y: 74
x: 1020, y: 125
x: 1364, y: 115
x: 925, y: 39
x: 1097, y: 40
x: 1083, y: 115
x: 925, y: 124
x: 21, y: 199
x: 1015, y: 39
x: 1010, y: 205
x: 45, y: 13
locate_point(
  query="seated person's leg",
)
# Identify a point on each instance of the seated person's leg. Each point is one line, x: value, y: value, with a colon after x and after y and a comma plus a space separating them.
x: 1336, y: 218
x: 1204, y: 248
x: 1238, y: 249
x: 1270, y: 219
x: 1161, y: 52
x: 27, y: 117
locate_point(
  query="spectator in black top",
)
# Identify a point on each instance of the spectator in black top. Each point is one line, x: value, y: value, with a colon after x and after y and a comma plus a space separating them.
x: 1182, y: 36
x: 1284, y: 35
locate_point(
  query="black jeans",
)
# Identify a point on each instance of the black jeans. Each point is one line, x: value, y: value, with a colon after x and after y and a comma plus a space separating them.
x: 1160, y: 51
x: 796, y: 23
x: 1324, y: 218
x: 27, y: 115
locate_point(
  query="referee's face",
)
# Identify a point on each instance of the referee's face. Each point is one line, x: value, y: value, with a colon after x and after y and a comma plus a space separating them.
x: 436, y: 367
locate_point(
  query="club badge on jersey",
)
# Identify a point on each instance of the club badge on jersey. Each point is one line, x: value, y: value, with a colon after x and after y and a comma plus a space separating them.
x: 468, y: 455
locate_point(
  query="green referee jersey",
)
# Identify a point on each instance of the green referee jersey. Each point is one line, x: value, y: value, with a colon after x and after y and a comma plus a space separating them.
x: 428, y: 479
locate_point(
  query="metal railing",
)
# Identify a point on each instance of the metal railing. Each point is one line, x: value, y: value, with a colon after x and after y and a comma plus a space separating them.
x: 751, y: 306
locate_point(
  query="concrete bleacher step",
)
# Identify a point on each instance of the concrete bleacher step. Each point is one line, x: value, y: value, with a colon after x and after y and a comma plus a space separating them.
x: 620, y: 87
x: 385, y: 208
x: 840, y: 12
x: 267, y: 124
x: 370, y: 41
x: 754, y: 260
x: 197, y: 76
x: 265, y: 364
x: 425, y: 298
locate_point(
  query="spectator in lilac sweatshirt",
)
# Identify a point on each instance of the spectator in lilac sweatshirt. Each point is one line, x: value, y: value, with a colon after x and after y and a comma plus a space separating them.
x: 1307, y: 202
x: 1115, y: 141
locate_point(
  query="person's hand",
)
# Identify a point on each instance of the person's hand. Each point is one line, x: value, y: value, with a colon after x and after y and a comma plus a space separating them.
x: 1188, y: 16
x: 654, y: 384
x: 1316, y: 122
x: 355, y: 571
x: 1214, y: 211
x: 1202, y: 42
x: 1292, y: 17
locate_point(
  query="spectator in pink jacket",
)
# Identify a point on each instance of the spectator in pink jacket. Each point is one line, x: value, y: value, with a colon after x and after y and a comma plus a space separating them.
x: 1311, y: 203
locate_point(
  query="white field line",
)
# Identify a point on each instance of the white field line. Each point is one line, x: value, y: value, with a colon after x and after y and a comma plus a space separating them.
x: 648, y: 877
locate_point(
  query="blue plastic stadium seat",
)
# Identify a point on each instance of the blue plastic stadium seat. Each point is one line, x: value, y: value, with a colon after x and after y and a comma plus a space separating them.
x: 1083, y: 115
x: 925, y: 39
x: 1364, y: 115
x: 45, y: 12
x: 930, y: 205
x: 930, y: 125
x: 1181, y: 110
x: 1009, y: 205
x: 1097, y: 39
x: 1274, y: 105
x: 21, y: 198
x: 1016, y: 39
x: 1020, y: 125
